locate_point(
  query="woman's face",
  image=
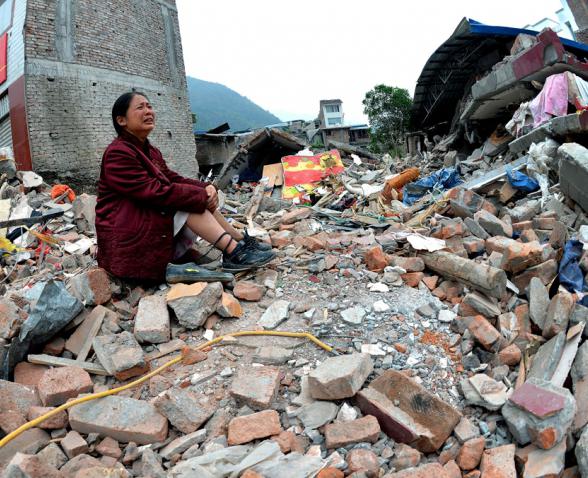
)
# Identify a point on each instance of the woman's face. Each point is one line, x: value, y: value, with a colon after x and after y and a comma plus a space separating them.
x: 140, y: 117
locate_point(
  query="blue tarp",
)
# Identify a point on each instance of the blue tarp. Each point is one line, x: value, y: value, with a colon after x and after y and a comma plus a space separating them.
x: 521, y: 181
x: 570, y: 274
x: 445, y: 178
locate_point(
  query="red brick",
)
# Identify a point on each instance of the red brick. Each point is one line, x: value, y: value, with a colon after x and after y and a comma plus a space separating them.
x: 412, y: 279
x: 312, y: 243
x: 248, y: 290
x: 545, y: 223
x: 474, y: 245
x: 296, y: 215
x: 499, y: 462
x: 405, y: 456
x: 361, y: 460
x: 498, y: 243
x: 56, y: 422
x: 529, y: 236
x: 452, y: 470
x: 510, y: 355
x: 539, y: 401
x: 29, y: 374
x: 11, y: 420
x: 55, y: 347
x: 471, y: 453
x: 391, y: 399
x: 252, y: 427
x: 281, y: 239
x: 31, y: 466
x: 109, y: 447
x: 16, y: 397
x: 484, y: 332
x: 430, y: 281
x: 330, y: 472
x: 73, y: 444
x: 430, y: 470
x: 375, y: 259
x: 256, y: 386
x: 449, y: 228
x: 251, y: 474
x: 92, y: 287
x: 517, y: 257
x: 546, y: 272
x: 522, y: 226
x: 340, y: 434
x: 60, y: 384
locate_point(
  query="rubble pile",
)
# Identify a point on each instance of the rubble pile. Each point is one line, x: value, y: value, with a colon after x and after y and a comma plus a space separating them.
x: 448, y: 305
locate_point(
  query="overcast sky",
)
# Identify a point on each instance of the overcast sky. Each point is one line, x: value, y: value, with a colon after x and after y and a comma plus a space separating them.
x: 286, y: 56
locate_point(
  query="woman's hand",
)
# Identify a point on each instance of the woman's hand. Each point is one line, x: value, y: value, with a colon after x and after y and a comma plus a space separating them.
x: 212, y: 202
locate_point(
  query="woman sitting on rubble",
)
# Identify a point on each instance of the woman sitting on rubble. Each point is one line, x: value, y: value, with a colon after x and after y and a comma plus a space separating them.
x: 145, y: 212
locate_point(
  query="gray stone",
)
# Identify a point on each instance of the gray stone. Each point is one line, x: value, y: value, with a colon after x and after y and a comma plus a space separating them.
x: 340, y: 377
x: 182, y: 443
x: 30, y: 441
x: 580, y: 315
x: 193, y: 310
x: 17, y: 397
x: 538, y: 302
x: 483, y: 304
x: 256, y: 386
x: 579, y: 373
x: 573, y: 172
x: 304, y: 397
x: 547, y: 357
x: 544, y: 463
x: 475, y: 228
x: 466, y: 430
x: 492, y: 225
x: 544, y: 432
x: 525, y: 212
x: 122, y: 418
x: 150, y: 465
x: 484, y: 391
x: 185, y: 410
x: 275, y: 314
x: 152, y: 320
x: 582, y: 453
x: 53, y: 455
x: 272, y: 355
x: 317, y: 414
x: 354, y: 315
x: 120, y: 354
x: 558, y: 314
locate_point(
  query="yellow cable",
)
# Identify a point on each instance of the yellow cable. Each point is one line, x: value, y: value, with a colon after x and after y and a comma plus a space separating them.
x: 33, y: 423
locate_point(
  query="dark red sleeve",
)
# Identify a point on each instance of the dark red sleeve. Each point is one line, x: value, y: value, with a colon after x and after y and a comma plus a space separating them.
x: 124, y: 174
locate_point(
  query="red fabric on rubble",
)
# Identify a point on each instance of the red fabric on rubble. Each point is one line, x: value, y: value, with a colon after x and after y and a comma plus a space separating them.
x: 138, y: 196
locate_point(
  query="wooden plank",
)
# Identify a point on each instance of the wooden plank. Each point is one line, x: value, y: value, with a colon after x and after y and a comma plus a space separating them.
x: 43, y: 359
x: 274, y: 172
x: 87, y: 345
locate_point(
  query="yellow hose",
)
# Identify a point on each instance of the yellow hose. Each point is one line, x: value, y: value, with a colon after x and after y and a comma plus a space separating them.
x: 33, y: 423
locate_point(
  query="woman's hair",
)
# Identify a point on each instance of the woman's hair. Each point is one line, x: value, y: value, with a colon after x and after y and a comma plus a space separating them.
x: 121, y: 106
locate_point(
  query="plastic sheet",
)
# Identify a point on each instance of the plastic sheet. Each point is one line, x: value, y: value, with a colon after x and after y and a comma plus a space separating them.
x: 521, y: 181
x: 55, y: 308
x: 570, y: 274
x: 443, y: 179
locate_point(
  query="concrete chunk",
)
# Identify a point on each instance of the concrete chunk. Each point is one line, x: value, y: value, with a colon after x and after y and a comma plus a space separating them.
x: 256, y: 386
x: 186, y: 410
x: 152, y: 320
x: 573, y: 172
x: 340, y: 377
x: 124, y: 419
x: 121, y: 355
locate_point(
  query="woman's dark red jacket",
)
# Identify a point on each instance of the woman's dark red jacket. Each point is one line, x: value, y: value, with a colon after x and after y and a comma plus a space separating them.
x: 138, y: 196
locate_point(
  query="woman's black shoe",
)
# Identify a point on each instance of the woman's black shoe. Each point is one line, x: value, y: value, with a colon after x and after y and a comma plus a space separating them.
x: 189, y: 273
x: 254, y: 243
x: 245, y: 257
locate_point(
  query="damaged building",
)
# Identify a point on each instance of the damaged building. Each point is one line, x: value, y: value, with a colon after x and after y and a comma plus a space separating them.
x: 63, y: 63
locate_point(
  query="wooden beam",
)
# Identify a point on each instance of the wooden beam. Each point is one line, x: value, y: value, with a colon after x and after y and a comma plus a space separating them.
x: 43, y: 359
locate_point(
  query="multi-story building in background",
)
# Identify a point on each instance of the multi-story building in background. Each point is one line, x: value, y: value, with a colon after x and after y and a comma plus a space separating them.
x: 63, y: 63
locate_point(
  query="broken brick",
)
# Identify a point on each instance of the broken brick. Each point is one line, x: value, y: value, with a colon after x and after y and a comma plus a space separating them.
x: 341, y: 434
x: 375, y: 259
x: 252, y: 427
x: 256, y: 386
x: 60, y: 384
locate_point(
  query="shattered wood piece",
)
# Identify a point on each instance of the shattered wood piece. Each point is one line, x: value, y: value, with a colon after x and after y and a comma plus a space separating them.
x: 255, y: 201
x: 43, y: 359
x: 486, y: 279
x: 569, y: 354
x: 87, y: 344
x: 493, y: 175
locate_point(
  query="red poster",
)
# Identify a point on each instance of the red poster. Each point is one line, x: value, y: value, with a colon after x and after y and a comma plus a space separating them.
x: 3, y: 57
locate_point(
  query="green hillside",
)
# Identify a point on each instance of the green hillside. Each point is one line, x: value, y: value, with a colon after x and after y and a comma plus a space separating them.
x: 215, y: 104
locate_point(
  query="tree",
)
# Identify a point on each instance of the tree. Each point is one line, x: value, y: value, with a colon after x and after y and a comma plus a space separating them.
x: 388, y: 110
